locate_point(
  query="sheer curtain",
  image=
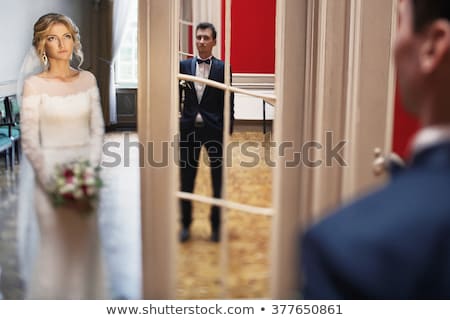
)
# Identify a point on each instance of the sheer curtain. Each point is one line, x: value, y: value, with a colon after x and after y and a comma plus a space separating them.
x: 121, y: 13
x: 209, y: 11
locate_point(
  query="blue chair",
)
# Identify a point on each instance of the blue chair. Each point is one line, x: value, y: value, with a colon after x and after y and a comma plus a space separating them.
x: 6, y: 142
x: 13, y: 110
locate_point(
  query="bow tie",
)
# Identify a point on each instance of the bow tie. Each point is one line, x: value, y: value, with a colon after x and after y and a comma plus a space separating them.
x: 207, y: 61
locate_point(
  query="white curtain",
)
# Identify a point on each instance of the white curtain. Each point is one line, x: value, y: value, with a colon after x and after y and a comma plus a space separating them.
x: 121, y: 12
x: 209, y: 11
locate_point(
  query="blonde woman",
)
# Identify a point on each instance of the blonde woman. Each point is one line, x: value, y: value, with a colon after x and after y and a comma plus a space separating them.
x: 62, y: 122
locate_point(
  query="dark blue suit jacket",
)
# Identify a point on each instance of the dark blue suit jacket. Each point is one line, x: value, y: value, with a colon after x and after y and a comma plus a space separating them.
x: 212, y: 104
x: 392, y: 244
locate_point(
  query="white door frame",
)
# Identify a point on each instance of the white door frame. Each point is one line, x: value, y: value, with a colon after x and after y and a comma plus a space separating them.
x: 334, y: 73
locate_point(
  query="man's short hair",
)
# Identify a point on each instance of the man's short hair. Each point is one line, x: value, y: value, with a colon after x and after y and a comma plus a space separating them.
x: 207, y: 25
x: 426, y: 11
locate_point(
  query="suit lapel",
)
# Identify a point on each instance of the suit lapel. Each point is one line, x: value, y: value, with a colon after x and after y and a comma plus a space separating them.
x: 213, y: 67
x: 193, y: 70
x: 193, y: 66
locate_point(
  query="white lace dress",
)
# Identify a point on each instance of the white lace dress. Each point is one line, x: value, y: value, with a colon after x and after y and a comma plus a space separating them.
x: 61, y: 122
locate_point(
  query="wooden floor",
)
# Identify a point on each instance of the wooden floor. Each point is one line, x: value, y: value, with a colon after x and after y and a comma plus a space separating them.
x: 198, y: 272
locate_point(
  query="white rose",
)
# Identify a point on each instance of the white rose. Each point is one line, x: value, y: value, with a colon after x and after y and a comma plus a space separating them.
x: 89, y: 171
x: 70, y: 187
x: 75, y: 181
x: 89, y: 181
x: 76, y: 169
x: 78, y: 194
x: 60, y: 182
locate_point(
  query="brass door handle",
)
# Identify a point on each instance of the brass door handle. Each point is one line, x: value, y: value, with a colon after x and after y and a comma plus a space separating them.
x: 384, y: 164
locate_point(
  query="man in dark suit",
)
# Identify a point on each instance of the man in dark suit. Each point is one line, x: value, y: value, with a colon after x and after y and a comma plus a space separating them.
x: 201, y: 124
x: 395, y: 242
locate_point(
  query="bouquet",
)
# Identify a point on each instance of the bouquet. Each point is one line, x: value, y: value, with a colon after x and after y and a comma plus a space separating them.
x: 76, y: 182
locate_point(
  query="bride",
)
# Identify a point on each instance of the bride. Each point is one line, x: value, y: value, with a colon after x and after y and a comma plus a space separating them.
x: 62, y: 122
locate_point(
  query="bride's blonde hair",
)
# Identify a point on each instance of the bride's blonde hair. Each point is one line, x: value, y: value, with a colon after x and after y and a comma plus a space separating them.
x: 42, y: 28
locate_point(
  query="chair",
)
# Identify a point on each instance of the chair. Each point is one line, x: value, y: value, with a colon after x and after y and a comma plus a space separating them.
x: 12, y: 107
x: 6, y: 142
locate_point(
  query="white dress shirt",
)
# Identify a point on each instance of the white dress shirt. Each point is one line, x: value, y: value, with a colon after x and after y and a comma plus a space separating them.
x: 202, y: 71
x: 430, y: 136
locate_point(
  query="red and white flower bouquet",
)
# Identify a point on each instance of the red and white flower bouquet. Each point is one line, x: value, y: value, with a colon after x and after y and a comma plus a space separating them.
x: 76, y: 182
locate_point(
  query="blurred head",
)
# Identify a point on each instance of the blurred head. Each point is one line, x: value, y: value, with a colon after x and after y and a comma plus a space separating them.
x: 422, y: 49
x: 58, y: 37
x: 427, y: 11
x: 205, y: 38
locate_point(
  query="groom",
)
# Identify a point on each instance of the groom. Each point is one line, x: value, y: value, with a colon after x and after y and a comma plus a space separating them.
x: 395, y: 243
x: 201, y: 124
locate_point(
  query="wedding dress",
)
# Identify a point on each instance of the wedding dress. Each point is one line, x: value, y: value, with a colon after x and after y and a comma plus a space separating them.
x: 62, y: 122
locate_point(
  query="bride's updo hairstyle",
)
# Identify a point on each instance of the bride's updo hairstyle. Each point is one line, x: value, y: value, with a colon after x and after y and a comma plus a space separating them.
x: 42, y: 28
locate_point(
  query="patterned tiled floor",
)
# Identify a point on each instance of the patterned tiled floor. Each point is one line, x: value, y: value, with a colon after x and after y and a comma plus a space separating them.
x: 198, y: 275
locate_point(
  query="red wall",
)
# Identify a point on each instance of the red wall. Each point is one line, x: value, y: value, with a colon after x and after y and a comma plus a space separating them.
x: 405, y: 126
x: 252, y: 35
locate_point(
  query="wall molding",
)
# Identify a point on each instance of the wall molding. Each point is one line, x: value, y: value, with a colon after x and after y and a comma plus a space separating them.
x: 254, y: 80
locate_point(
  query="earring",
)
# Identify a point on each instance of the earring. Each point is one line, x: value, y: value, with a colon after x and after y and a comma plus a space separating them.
x: 45, y: 59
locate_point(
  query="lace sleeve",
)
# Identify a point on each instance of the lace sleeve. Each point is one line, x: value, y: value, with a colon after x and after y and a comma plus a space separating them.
x: 97, y: 128
x: 31, y: 145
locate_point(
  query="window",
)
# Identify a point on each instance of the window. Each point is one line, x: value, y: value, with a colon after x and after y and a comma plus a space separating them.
x: 185, y: 32
x: 126, y: 61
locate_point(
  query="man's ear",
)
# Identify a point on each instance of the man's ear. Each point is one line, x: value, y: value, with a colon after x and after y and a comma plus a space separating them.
x: 436, y: 45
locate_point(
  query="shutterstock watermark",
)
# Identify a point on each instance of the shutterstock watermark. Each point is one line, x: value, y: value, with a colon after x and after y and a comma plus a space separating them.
x: 251, y: 154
